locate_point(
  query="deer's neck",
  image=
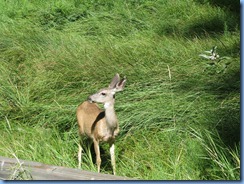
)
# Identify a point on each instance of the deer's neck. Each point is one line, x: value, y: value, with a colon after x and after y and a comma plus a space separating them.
x: 110, y: 115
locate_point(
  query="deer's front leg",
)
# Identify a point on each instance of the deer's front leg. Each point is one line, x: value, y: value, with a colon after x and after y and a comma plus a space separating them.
x: 79, y: 154
x: 112, y: 154
x: 97, y: 151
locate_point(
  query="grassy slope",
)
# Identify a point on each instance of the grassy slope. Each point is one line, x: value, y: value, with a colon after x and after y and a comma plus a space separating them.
x: 179, y: 126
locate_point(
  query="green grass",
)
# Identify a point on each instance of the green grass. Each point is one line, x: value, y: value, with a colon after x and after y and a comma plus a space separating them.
x: 179, y: 114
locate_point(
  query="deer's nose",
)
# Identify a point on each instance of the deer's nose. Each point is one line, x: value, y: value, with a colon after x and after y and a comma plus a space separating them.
x: 89, y: 99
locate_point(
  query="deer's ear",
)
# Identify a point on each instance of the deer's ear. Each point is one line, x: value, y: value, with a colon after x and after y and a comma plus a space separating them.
x: 120, y: 85
x: 114, y: 81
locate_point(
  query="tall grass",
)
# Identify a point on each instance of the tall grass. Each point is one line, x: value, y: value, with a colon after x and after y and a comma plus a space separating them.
x: 223, y: 168
x: 179, y: 114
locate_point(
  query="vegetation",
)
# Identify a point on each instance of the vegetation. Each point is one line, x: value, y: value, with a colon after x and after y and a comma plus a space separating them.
x: 179, y: 113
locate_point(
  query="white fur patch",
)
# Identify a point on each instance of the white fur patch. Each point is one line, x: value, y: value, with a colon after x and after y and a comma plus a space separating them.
x: 106, y: 105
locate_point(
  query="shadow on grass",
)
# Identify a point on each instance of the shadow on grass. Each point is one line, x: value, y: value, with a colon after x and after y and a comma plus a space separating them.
x: 233, y: 6
x: 225, y: 89
x: 208, y: 25
x: 214, y: 25
x: 228, y: 115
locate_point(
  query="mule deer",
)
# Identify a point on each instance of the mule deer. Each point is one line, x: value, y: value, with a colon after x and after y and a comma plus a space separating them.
x: 97, y: 124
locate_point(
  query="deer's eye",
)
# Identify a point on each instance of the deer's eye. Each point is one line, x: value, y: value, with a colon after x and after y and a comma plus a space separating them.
x: 103, y: 94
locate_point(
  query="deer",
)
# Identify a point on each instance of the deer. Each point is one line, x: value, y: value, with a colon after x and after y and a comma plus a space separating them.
x: 98, y: 124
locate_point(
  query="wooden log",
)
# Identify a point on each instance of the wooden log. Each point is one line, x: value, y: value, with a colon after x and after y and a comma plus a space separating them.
x: 15, y: 169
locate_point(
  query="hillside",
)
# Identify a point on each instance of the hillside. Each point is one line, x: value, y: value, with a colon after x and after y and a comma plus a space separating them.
x: 179, y: 113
